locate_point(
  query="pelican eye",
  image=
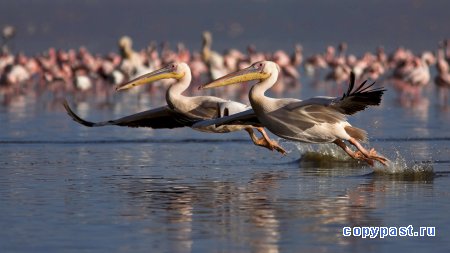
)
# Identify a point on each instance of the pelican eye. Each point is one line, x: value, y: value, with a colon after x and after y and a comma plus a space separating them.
x: 259, y: 65
x: 173, y: 66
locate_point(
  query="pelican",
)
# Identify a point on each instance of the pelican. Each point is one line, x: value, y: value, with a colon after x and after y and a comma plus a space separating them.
x: 214, y: 60
x: 315, y: 120
x: 184, y: 111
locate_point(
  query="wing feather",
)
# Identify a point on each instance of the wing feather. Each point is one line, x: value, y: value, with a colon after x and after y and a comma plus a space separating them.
x: 247, y: 117
x: 161, y: 117
x: 359, y: 99
x: 352, y: 101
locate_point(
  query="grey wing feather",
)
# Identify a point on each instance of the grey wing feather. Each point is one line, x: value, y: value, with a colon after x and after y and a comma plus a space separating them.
x: 206, y: 110
x: 247, y: 117
x: 306, y: 115
x: 319, y: 101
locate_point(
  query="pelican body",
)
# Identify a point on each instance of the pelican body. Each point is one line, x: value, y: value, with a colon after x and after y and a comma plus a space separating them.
x: 184, y: 111
x: 315, y: 120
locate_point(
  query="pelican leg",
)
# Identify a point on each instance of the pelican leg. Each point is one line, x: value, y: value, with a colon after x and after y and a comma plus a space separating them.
x: 259, y: 142
x: 354, y: 155
x: 263, y: 142
x: 372, y: 154
x: 273, y: 143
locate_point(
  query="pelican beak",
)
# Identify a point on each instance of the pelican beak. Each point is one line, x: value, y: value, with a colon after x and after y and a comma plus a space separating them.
x: 244, y: 75
x: 163, y: 73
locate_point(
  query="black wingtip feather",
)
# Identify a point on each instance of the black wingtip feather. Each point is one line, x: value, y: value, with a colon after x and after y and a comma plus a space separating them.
x: 75, y: 117
x: 361, y: 86
x: 352, y: 79
x: 359, y: 99
x: 351, y: 84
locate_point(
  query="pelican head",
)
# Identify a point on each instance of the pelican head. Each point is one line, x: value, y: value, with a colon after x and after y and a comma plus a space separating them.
x: 257, y: 71
x: 173, y: 70
x: 207, y: 37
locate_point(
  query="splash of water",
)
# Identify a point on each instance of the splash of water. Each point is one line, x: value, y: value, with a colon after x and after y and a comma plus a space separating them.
x: 398, y: 165
x: 327, y: 150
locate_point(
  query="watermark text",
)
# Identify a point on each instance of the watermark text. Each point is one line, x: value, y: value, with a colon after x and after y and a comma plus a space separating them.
x: 382, y: 232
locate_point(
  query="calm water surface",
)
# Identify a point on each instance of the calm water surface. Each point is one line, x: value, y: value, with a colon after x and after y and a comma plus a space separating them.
x: 68, y: 188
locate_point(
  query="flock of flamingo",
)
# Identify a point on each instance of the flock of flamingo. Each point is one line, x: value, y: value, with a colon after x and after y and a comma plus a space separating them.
x: 80, y: 71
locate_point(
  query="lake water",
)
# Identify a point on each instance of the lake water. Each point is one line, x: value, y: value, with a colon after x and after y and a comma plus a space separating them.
x: 68, y: 188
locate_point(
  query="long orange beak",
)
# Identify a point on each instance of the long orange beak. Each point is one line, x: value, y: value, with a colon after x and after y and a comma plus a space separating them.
x: 163, y: 73
x: 244, y: 75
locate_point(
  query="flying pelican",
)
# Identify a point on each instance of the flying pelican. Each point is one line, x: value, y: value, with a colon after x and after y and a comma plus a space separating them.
x: 315, y: 120
x: 184, y: 111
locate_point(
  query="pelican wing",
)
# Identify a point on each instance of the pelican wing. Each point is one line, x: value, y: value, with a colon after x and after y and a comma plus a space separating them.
x: 359, y: 99
x: 304, y: 115
x: 206, y: 109
x: 354, y: 100
x: 209, y: 107
x: 247, y: 117
x: 161, y: 117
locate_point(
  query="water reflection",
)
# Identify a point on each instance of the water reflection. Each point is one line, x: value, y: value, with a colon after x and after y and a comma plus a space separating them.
x: 231, y: 212
x: 261, y: 213
x: 148, y: 196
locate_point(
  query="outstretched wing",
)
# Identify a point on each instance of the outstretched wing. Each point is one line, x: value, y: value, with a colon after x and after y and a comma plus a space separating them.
x: 359, y: 99
x: 161, y: 117
x: 352, y: 101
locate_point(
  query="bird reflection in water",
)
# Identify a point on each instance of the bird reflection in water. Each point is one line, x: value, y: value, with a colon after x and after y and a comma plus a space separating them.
x: 259, y: 213
x: 245, y: 214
